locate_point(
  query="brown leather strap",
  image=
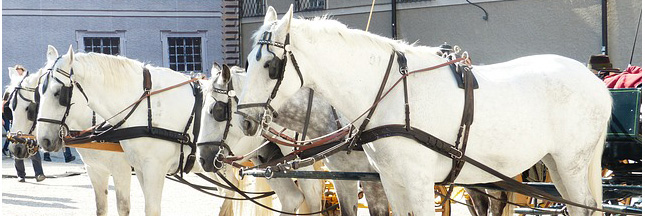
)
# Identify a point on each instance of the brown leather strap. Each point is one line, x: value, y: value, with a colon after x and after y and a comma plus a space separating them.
x: 466, y: 121
x: 376, y: 101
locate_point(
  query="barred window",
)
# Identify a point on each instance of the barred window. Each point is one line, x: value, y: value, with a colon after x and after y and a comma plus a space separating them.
x: 105, y: 45
x: 310, y: 5
x: 252, y: 8
x: 185, y: 53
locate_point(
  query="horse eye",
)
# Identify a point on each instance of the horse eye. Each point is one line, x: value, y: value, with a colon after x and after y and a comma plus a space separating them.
x: 57, y: 93
x: 266, y: 64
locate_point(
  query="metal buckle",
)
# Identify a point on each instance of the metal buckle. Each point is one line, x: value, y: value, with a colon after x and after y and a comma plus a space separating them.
x: 218, y: 158
x: 267, y: 118
x: 453, y: 156
x: 63, y: 132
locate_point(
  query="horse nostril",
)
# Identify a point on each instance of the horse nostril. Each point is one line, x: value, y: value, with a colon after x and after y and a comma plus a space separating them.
x: 47, y: 143
x: 19, y: 151
x: 247, y: 125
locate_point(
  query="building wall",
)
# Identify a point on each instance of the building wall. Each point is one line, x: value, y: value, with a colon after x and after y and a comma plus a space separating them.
x: 29, y: 26
x: 515, y: 28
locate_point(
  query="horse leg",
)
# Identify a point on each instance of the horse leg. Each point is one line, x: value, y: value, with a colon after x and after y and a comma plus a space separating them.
x: 347, y: 193
x: 497, y: 206
x: 569, y: 177
x: 312, y: 190
x: 376, y: 198
x: 99, y: 179
x: 227, y: 206
x: 288, y: 193
x: 479, y: 201
x: 152, y: 181
x: 408, y: 181
x: 122, y: 177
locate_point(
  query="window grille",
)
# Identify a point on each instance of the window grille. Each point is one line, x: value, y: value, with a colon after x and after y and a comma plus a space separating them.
x: 105, y: 45
x: 252, y: 8
x: 310, y: 5
x: 185, y: 53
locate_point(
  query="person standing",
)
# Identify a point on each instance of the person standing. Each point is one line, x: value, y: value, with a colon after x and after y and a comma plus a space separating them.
x: 68, y: 156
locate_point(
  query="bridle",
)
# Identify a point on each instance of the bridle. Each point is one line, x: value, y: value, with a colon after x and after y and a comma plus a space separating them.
x: 221, y: 111
x: 276, y: 67
x: 32, y: 108
x: 64, y: 96
x: 32, y: 111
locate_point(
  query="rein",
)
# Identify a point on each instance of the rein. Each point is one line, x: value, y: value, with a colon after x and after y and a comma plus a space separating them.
x: 137, y: 102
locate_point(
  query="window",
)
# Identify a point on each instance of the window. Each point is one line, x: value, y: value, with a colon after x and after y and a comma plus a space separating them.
x: 252, y: 8
x: 309, y: 5
x: 105, y: 45
x: 106, y: 42
x: 184, y: 51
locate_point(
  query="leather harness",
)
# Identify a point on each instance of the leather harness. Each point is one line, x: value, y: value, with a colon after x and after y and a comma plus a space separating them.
x: 107, y: 133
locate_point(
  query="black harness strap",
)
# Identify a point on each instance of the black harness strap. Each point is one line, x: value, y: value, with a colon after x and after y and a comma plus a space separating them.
x: 308, y: 115
x: 403, y: 69
x: 331, y: 208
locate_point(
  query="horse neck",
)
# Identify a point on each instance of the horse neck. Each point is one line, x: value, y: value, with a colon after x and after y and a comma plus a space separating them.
x: 108, y: 91
x: 293, y: 114
x: 80, y: 115
x: 351, y: 86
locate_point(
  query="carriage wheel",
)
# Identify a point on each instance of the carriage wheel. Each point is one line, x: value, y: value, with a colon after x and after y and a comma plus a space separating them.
x: 445, y: 208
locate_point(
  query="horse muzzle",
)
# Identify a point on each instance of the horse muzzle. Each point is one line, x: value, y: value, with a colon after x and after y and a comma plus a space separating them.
x: 19, y: 150
x: 51, y: 145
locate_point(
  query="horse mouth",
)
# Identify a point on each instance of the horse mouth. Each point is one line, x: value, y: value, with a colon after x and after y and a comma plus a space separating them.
x: 51, y: 145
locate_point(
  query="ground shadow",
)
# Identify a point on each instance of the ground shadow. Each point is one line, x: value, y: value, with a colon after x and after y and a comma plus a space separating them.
x: 35, y: 201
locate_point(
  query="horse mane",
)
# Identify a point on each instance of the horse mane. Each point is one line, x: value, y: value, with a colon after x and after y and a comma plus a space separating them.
x: 113, y: 69
x: 312, y: 29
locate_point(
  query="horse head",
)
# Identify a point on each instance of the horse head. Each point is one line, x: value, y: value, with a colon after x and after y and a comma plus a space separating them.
x: 24, y: 109
x: 270, y: 67
x: 218, y: 129
x: 55, y: 93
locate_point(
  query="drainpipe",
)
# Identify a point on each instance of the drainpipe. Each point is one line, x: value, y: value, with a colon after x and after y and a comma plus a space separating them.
x: 604, y: 49
x: 394, y: 34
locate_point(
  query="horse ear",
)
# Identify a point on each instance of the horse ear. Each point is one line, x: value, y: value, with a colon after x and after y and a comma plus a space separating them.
x: 216, y: 66
x: 52, y: 53
x: 12, y: 73
x: 271, y: 15
x: 226, y: 74
x: 70, y: 52
x: 285, y: 22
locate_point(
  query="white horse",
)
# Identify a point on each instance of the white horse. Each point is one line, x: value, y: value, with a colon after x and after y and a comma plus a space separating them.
x: 112, y: 83
x: 290, y: 195
x: 542, y: 107
x: 292, y: 115
x: 99, y: 164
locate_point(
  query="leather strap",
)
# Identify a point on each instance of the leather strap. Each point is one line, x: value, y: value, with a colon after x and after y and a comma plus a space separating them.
x: 376, y: 100
x: 308, y: 115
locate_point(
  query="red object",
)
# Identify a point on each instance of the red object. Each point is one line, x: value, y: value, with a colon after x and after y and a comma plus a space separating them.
x: 630, y: 78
